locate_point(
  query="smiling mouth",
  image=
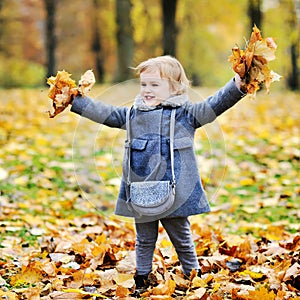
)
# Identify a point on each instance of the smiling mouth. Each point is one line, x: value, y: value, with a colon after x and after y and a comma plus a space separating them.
x: 149, y: 97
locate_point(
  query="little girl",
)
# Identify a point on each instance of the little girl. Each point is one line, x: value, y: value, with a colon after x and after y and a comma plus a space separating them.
x: 163, y: 87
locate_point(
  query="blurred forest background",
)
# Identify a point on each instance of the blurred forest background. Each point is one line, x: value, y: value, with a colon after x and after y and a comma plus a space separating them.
x: 39, y: 37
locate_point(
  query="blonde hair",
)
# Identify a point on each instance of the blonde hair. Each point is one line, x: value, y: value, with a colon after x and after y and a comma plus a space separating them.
x: 169, y: 68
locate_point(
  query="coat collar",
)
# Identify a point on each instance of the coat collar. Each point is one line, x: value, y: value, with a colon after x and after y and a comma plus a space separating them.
x: 174, y: 101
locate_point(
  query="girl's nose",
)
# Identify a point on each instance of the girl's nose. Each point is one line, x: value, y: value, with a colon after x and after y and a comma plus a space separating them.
x: 146, y: 88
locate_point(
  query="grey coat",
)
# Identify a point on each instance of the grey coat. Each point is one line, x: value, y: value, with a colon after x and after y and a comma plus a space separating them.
x: 150, y: 152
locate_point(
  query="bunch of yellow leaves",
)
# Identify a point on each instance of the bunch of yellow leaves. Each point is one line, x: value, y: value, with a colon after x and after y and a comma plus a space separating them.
x: 251, y: 64
x: 63, y: 89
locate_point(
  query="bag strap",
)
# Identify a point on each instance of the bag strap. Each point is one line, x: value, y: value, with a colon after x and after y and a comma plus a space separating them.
x: 172, y: 131
x: 128, y: 144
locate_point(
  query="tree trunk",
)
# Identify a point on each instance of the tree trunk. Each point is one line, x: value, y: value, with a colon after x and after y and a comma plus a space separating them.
x: 1, y: 27
x: 50, y: 6
x: 96, y: 43
x: 125, y: 41
x: 169, y: 26
x: 294, y: 24
x: 293, y: 77
x: 255, y: 13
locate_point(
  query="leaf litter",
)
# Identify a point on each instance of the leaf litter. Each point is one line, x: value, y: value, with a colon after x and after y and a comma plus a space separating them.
x: 48, y: 254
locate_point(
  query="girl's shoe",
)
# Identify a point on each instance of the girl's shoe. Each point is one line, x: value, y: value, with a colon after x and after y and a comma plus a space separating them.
x: 141, y: 281
x: 141, y: 284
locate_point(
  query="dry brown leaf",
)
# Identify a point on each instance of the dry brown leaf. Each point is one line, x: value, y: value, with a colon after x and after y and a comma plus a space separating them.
x: 197, y: 294
x: 180, y: 281
x: 63, y: 89
x: 29, y: 274
x: 158, y: 297
x: 8, y: 295
x: 33, y: 293
x: 292, y: 272
x: 251, y: 64
x: 122, y: 291
x: 166, y: 288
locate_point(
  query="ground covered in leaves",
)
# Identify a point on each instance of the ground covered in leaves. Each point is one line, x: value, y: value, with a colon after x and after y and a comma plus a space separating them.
x: 59, y: 239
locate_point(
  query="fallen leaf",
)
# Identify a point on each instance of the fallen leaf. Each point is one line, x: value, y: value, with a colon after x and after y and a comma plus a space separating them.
x: 80, y: 292
x: 260, y: 294
x: 122, y: 291
x: 166, y: 288
x: 292, y: 272
x: 29, y: 274
x: 197, y: 294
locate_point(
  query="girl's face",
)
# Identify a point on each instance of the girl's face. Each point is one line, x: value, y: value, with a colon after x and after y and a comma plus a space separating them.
x: 154, y: 89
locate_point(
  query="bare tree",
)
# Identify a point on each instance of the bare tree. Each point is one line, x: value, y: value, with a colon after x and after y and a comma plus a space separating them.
x: 50, y: 6
x: 169, y: 26
x: 125, y: 41
x: 96, y: 43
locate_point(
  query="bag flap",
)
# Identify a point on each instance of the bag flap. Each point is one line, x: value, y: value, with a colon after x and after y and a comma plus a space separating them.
x: 149, y: 193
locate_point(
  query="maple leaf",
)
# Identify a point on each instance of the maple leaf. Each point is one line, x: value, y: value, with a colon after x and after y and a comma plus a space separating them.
x: 29, y: 274
x: 8, y: 295
x: 63, y: 89
x: 166, y: 288
x: 122, y: 292
x: 262, y: 293
x: 251, y: 64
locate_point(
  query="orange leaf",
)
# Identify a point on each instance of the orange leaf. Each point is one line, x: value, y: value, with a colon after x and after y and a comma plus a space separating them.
x: 122, y: 291
x: 29, y: 274
x: 251, y: 64
x: 63, y: 89
x: 8, y: 295
x: 262, y: 293
x: 166, y: 288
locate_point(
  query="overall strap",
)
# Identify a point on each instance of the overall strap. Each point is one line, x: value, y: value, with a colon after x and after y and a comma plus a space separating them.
x: 128, y: 144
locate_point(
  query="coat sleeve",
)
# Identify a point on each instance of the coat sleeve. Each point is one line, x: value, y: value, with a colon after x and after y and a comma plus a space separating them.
x: 110, y: 115
x: 208, y: 110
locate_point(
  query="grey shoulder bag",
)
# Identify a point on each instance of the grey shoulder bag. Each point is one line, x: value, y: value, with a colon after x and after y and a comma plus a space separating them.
x: 150, y: 198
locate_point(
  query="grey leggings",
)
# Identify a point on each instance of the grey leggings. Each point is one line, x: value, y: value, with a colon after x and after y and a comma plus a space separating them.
x: 179, y: 232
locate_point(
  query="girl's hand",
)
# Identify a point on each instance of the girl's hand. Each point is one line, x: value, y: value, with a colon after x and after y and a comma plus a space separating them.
x: 240, y: 84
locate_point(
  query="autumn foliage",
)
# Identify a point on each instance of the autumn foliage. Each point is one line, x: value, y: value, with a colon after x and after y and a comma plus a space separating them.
x: 63, y: 89
x: 252, y: 62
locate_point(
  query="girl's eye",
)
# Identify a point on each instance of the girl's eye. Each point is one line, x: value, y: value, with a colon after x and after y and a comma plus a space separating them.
x: 152, y: 85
